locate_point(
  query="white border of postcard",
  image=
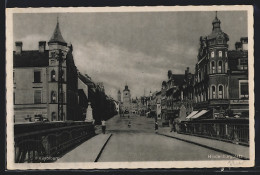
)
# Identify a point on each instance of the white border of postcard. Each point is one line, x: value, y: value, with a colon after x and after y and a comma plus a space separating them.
x: 128, y: 165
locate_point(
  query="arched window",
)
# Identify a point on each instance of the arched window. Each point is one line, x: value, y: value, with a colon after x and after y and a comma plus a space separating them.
x: 226, y: 67
x: 62, y: 75
x: 213, y: 91
x: 220, y: 67
x: 53, y: 75
x: 213, y: 67
x: 53, y: 97
x: 212, y: 54
x: 220, y: 54
x: 220, y: 91
x: 53, y: 116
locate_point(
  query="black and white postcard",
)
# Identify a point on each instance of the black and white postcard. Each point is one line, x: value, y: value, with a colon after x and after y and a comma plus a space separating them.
x: 130, y: 87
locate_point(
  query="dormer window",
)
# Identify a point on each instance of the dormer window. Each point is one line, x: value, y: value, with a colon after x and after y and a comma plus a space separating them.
x: 212, y: 54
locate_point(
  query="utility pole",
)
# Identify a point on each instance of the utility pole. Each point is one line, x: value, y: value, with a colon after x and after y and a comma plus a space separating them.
x: 60, y: 86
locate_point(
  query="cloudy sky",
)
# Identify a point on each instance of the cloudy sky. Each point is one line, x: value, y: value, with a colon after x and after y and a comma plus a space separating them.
x: 137, y: 48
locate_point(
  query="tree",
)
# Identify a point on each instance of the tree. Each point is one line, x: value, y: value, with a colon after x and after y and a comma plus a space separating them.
x: 169, y: 74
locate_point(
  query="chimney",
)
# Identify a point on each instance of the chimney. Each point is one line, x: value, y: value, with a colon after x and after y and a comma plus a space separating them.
x: 42, y: 46
x: 238, y: 45
x: 244, y: 41
x: 18, y: 47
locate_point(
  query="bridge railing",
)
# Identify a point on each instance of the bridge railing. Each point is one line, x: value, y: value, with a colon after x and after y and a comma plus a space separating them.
x: 44, y: 142
x: 235, y: 131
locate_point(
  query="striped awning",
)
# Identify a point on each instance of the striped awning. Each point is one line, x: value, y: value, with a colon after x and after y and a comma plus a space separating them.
x: 199, y: 114
x: 192, y: 114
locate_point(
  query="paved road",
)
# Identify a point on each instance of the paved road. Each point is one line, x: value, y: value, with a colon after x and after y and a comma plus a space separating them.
x: 140, y: 143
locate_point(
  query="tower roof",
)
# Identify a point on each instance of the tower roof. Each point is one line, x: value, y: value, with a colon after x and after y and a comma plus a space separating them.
x: 126, y: 88
x: 217, y: 33
x: 57, y: 37
x: 216, y: 20
x: 216, y: 24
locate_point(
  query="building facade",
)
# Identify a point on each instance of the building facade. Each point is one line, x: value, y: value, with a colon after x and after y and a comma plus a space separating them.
x: 45, y: 81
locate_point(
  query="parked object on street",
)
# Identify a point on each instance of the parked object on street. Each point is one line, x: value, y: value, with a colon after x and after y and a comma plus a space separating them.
x: 103, y: 126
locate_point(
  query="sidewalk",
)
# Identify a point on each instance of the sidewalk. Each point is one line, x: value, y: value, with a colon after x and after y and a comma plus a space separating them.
x: 87, y: 151
x: 238, y: 151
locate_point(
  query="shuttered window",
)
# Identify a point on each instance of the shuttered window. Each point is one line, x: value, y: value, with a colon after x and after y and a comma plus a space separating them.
x: 37, y: 96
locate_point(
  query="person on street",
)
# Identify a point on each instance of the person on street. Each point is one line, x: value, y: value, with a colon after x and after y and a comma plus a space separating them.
x: 103, y: 122
x: 129, y: 124
x: 171, y: 125
x: 156, y: 127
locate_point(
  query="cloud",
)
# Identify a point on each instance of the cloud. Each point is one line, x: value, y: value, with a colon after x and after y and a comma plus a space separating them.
x: 116, y: 66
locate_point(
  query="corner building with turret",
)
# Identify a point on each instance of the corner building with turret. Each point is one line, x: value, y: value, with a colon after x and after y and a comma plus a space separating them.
x: 219, y: 77
x: 43, y: 88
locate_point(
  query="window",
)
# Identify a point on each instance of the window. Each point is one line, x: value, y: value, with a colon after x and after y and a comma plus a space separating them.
x: 243, y: 62
x: 226, y: 67
x: 220, y: 54
x: 220, y: 67
x: 220, y: 91
x: 212, y: 54
x: 37, y: 96
x: 53, y: 61
x: 213, y: 90
x: 64, y: 97
x: 226, y: 53
x: 53, y: 116
x: 243, y: 90
x: 213, y: 67
x: 62, y: 75
x: 14, y: 77
x: 53, y: 97
x: 37, y: 77
x: 14, y: 97
x: 53, y: 75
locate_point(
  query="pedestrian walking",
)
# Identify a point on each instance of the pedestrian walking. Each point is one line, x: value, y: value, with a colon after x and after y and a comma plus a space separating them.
x: 171, y: 125
x: 156, y: 127
x: 103, y: 122
x: 129, y: 124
